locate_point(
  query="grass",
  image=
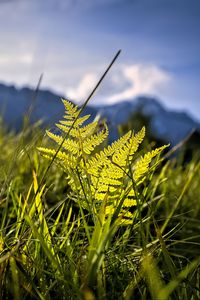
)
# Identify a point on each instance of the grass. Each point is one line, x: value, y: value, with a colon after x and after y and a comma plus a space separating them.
x: 52, y: 248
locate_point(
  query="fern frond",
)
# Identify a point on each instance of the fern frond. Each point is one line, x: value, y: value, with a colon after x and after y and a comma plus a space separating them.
x: 104, y: 175
x: 116, y: 145
x: 142, y: 165
x: 95, y: 140
x: 104, y: 156
x: 128, y: 150
x: 83, y: 132
x: 73, y: 121
x: 70, y: 109
x: 68, y: 144
x: 129, y: 203
x: 89, y: 129
x: 63, y: 157
x: 112, y: 172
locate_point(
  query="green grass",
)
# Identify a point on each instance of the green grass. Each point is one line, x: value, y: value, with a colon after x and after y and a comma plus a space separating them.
x: 53, y: 248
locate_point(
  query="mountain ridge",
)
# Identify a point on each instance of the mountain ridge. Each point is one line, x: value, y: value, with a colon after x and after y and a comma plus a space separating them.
x: 167, y: 125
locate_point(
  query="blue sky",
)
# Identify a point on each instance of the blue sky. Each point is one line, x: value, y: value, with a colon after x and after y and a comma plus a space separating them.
x: 72, y: 42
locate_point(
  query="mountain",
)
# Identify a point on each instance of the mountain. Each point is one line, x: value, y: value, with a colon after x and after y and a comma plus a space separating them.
x: 166, y: 125
x: 15, y: 103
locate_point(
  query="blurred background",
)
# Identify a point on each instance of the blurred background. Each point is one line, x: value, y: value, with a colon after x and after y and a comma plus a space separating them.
x: 71, y: 42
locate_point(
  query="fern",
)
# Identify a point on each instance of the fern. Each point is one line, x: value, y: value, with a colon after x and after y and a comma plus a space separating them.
x: 100, y: 175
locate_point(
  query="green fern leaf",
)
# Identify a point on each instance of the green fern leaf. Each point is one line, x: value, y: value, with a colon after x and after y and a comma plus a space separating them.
x: 70, y: 145
x: 142, y: 165
x: 105, y: 175
x: 95, y: 140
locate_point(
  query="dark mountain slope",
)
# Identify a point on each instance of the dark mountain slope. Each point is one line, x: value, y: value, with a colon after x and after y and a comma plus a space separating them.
x: 169, y: 126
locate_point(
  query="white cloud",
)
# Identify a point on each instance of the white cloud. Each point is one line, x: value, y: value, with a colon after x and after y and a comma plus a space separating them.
x: 83, y: 89
x: 143, y: 80
x: 16, y: 60
x: 127, y: 82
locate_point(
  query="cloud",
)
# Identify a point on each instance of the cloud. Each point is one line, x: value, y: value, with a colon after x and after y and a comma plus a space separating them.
x: 83, y: 89
x: 126, y: 83
x: 16, y: 60
x: 143, y: 80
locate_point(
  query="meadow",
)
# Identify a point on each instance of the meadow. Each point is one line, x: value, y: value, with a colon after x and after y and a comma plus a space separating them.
x: 81, y: 219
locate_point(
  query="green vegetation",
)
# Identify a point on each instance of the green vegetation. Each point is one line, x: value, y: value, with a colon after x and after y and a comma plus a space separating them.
x: 83, y: 220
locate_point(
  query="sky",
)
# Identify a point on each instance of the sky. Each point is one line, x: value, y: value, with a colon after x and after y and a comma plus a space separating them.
x: 72, y: 42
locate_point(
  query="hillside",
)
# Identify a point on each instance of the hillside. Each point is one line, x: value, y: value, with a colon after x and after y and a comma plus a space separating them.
x: 166, y: 125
